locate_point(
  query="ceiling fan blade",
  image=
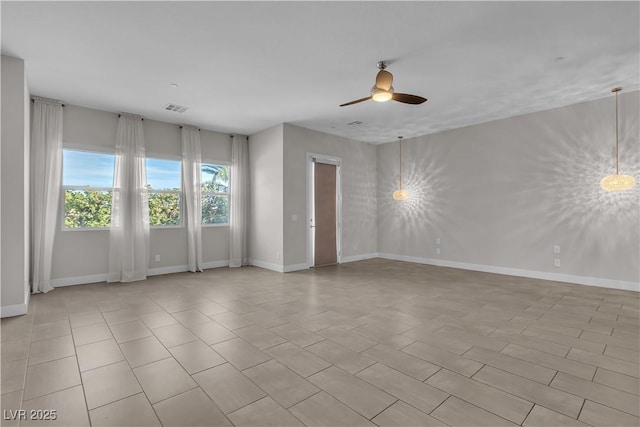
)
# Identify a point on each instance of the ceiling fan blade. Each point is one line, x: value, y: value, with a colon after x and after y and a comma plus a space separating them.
x: 356, y: 101
x: 384, y: 79
x: 408, y: 99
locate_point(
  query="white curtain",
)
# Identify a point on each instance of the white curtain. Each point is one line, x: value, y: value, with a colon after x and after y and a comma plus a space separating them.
x: 191, y: 176
x: 239, y: 201
x: 129, y: 236
x: 46, y: 145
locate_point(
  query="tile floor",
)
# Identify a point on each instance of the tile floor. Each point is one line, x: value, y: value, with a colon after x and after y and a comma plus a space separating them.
x: 375, y: 342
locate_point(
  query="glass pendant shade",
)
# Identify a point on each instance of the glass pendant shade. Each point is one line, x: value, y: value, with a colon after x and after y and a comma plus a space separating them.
x: 381, y: 95
x: 400, y: 195
x: 617, y: 182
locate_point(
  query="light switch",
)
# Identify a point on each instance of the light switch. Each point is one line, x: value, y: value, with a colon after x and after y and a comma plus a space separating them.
x: 556, y: 249
x: 294, y: 217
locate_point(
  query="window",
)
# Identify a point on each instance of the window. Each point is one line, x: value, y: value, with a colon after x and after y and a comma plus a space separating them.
x: 87, y: 179
x: 215, y: 194
x: 163, y: 182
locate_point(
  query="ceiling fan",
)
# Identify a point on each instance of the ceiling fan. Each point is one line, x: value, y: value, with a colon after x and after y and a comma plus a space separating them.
x: 383, y: 91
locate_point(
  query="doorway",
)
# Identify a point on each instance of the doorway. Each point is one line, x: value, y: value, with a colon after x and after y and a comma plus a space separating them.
x: 325, y: 210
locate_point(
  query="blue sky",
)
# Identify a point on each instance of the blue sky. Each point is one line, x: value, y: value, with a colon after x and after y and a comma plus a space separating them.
x: 87, y: 169
x: 84, y: 168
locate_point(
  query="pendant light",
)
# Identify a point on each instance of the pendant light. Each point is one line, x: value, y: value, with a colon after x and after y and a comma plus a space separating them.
x: 617, y: 182
x: 400, y: 193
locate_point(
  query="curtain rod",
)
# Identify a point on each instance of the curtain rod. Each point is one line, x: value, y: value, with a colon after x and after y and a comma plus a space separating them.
x: 183, y: 126
x: 33, y: 100
x: 141, y: 118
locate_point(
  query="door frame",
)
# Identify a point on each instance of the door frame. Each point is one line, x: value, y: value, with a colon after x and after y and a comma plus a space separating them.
x: 337, y: 162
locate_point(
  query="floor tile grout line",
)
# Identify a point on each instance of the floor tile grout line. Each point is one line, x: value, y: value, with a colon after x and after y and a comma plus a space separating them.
x: 84, y: 393
x: 584, y: 401
x: 529, y: 413
x: 599, y: 403
x: 484, y: 409
x: 134, y: 372
x: 440, y: 404
x: 491, y: 386
x: 393, y: 403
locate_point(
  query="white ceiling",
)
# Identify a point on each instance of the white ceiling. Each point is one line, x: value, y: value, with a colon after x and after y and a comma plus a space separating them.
x: 245, y: 66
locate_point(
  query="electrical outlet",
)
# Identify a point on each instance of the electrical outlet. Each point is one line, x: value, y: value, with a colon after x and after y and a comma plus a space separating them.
x: 556, y: 262
x: 157, y: 258
x: 278, y: 255
x: 438, y: 241
x: 556, y: 249
x: 294, y: 217
x: 438, y: 251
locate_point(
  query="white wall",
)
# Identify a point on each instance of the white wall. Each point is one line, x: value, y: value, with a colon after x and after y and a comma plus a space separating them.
x: 83, y: 256
x: 359, y: 228
x: 503, y: 193
x: 14, y: 191
x: 266, y: 200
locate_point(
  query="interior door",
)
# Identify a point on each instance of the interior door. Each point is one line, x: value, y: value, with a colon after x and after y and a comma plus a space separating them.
x: 325, y: 215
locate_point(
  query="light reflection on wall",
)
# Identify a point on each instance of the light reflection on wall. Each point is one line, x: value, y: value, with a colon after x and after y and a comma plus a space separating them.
x: 575, y: 164
x: 422, y: 178
x: 504, y: 193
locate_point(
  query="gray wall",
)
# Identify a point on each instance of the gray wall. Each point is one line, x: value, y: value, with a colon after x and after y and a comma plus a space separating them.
x: 266, y: 200
x: 83, y: 255
x: 504, y: 193
x: 14, y: 195
x: 359, y: 231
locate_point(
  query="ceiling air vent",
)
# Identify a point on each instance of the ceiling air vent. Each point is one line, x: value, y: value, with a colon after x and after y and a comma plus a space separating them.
x: 175, y: 107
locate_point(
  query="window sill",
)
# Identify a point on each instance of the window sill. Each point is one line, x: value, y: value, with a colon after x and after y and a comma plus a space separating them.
x: 86, y: 229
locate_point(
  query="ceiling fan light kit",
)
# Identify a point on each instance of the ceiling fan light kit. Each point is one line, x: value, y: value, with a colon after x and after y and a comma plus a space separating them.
x: 617, y: 182
x: 382, y: 91
x: 381, y: 95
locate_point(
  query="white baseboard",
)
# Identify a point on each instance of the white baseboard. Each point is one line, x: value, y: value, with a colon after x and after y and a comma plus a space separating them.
x: 184, y: 268
x: 359, y: 257
x: 295, y: 267
x: 78, y: 280
x: 17, y: 309
x: 533, y: 274
x: 267, y: 265
x: 167, y: 270
x: 215, y: 264
x: 96, y: 278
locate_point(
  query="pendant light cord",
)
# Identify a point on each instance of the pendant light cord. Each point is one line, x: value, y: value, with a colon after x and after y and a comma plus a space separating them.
x: 400, y: 138
x: 617, y: 161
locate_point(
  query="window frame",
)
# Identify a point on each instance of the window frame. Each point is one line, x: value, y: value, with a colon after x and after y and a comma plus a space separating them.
x: 63, y: 188
x: 217, y: 193
x: 180, y: 191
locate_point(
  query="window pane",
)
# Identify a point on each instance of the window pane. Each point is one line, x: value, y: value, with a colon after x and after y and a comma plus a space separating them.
x: 163, y: 174
x: 87, y: 169
x: 215, y: 209
x: 87, y: 208
x: 215, y: 178
x: 164, y: 208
